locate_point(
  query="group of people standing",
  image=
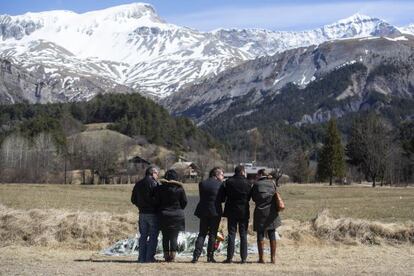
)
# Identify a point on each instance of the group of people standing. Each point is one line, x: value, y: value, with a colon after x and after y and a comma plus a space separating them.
x: 161, y: 204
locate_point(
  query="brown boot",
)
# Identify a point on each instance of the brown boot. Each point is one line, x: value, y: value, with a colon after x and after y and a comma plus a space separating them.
x: 172, y: 256
x: 260, y: 247
x: 273, y: 252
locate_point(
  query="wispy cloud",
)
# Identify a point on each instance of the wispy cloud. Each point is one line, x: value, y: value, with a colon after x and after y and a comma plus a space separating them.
x: 295, y: 16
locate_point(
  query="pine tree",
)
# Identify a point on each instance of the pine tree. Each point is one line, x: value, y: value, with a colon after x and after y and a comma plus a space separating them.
x: 331, y: 162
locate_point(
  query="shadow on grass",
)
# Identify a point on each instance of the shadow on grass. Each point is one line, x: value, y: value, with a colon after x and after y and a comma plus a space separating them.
x: 106, y: 261
x: 125, y: 261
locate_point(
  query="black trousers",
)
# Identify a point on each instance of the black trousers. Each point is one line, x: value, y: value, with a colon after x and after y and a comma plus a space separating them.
x: 232, y: 224
x: 208, y: 226
x: 169, y: 240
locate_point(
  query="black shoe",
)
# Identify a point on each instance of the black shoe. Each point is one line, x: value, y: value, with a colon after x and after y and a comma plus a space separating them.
x: 243, y: 262
x: 227, y: 261
x: 210, y: 259
x: 194, y: 260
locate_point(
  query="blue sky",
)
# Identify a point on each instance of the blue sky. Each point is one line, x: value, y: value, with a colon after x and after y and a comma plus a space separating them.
x: 207, y: 15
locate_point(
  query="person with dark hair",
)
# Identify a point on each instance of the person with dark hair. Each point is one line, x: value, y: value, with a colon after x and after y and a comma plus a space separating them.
x: 237, y: 191
x: 261, y: 172
x: 171, y: 200
x: 143, y: 197
x: 209, y: 210
x: 266, y: 217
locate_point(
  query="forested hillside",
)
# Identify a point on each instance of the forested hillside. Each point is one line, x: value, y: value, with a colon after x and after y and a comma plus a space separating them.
x: 278, y: 131
x: 59, y: 143
x: 130, y: 114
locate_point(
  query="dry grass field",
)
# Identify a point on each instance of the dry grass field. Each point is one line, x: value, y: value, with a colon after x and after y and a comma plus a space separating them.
x: 59, y: 229
x: 303, y: 201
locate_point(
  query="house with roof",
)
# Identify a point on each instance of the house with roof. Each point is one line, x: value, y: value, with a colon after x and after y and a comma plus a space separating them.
x: 186, y: 170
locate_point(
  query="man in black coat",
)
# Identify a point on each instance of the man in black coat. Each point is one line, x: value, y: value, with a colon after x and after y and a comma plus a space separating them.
x: 143, y: 197
x: 238, y: 193
x: 209, y: 210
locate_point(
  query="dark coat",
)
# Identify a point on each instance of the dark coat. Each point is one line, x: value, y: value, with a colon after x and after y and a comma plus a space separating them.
x: 265, y: 215
x: 211, y: 194
x: 143, y: 195
x: 171, y: 200
x: 237, y: 190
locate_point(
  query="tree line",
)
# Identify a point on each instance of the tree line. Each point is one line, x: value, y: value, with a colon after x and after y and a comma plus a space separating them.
x: 41, y: 141
x: 130, y: 114
x: 374, y: 152
x: 38, y: 141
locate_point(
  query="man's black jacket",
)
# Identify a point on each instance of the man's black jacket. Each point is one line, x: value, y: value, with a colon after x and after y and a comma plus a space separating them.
x: 143, y: 195
x: 238, y: 193
x: 211, y: 196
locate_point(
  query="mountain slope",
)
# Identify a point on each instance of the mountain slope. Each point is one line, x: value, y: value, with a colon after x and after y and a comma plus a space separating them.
x: 131, y: 45
x: 407, y: 29
x: 128, y: 44
x: 388, y: 70
x: 43, y: 85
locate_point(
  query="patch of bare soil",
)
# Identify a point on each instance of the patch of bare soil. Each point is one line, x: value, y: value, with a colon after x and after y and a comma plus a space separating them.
x: 298, y: 260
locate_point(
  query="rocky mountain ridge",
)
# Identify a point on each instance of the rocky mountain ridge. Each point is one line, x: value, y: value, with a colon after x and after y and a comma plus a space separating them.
x: 131, y: 45
x: 18, y: 84
x: 243, y: 90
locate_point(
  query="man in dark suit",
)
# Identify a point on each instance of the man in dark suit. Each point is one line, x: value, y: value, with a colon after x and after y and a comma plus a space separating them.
x: 209, y: 210
x: 238, y: 193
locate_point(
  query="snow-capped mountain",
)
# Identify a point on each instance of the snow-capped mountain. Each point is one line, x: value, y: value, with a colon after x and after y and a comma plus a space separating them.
x: 41, y: 85
x: 259, y: 42
x: 407, y: 29
x: 317, y: 82
x: 131, y: 45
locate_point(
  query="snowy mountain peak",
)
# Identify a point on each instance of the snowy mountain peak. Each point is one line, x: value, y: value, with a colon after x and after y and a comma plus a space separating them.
x: 38, y: 15
x: 131, y: 45
x: 407, y: 29
x: 123, y: 18
x: 128, y: 11
x: 357, y: 18
x: 359, y: 25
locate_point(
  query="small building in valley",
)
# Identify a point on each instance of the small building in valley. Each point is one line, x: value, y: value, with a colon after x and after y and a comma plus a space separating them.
x: 186, y: 170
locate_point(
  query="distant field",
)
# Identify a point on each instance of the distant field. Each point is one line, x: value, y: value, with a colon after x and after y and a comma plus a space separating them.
x: 384, y: 204
x: 97, y: 126
x: 51, y: 242
x: 303, y: 201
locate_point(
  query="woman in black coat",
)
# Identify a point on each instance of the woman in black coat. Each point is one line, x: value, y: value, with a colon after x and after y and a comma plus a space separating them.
x: 266, y: 216
x: 171, y: 201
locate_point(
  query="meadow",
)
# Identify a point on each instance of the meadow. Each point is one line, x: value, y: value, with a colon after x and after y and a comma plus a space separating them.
x: 304, y: 201
x: 60, y: 230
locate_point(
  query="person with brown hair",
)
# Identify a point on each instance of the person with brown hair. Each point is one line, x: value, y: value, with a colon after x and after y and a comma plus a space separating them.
x: 266, y: 216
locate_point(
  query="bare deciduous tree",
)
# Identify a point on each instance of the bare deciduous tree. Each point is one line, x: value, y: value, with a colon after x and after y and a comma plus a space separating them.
x: 368, y: 146
x: 36, y: 160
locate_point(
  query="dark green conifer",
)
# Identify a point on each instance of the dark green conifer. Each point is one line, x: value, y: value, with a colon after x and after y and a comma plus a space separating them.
x: 331, y: 162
